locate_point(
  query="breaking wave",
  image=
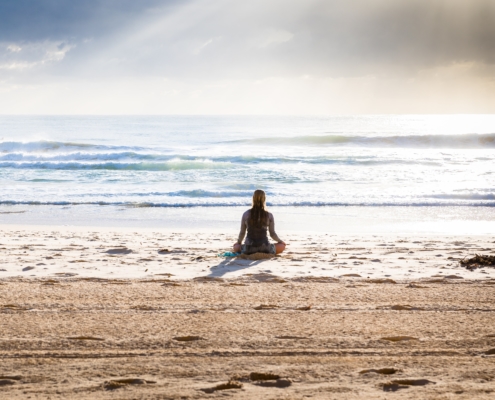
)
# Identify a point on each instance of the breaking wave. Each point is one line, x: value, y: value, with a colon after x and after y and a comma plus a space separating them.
x: 172, y: 165
x: 148, y: 161
x: 247, y: 204
x: 46, y: 146
x: 463, y: 141
x: 472, y: 196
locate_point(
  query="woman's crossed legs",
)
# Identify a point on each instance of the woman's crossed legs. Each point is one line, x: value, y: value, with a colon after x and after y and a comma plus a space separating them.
x: 279, y: 247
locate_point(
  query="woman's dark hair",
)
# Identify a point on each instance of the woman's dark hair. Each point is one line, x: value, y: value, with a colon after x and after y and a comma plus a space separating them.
x: 259, y: 215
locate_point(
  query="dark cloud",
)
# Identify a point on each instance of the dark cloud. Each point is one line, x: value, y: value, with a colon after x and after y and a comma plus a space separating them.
x: 401, y: 34
x: 322, y: 37
x: 214, y: 39
x: 35, y: 20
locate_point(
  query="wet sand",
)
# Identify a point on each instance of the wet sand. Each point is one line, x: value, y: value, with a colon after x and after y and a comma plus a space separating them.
x: 117, y: 331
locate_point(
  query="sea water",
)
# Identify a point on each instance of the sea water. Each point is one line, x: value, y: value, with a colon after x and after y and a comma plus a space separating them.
x: 192, y: 170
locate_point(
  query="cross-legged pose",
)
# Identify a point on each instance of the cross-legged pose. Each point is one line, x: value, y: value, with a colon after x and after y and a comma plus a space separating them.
x: 257, y: 221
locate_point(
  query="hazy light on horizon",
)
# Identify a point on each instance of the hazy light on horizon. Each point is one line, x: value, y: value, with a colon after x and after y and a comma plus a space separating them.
x: 257, y: 57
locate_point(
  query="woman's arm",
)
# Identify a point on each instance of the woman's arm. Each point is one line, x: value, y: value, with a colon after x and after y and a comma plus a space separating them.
x: 242, y: 233
x: 271, y: 228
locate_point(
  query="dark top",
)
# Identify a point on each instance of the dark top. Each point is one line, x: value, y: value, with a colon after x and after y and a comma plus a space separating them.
x: 257, y: 236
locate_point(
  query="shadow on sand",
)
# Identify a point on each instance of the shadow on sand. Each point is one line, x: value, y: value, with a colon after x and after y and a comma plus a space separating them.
x: 231, y: 265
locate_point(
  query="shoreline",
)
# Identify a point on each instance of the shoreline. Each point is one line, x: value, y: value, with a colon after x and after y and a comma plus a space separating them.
x: 339, y: 220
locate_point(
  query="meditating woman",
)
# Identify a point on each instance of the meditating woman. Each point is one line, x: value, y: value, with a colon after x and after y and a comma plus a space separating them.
x: 257, y: 221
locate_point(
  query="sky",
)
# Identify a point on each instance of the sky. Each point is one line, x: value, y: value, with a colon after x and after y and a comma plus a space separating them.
x: 283, y: 57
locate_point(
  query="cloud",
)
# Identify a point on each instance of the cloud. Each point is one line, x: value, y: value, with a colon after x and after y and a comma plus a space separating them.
x: 19, y: 57
x: 200, y: 48
x: 316, y: 37
x: 371, y: 52
x: 260, y: 38
x: 271, y: 37
x: 14, y: 48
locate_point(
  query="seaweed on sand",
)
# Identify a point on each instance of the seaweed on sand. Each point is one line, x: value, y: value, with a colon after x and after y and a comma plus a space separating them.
x: 478, y: 261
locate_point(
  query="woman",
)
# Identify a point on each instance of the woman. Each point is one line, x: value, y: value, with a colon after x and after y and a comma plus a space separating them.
x: 257, y: 221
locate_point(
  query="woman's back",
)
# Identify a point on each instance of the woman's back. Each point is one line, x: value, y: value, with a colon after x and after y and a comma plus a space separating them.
x: 256, y: 221
x: 256, y: 233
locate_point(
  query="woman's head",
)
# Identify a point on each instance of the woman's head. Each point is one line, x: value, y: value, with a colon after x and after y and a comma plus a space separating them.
x: 258, y: 212
x: 259, y: 199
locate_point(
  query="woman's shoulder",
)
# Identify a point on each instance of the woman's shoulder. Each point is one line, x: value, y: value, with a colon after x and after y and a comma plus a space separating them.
x: 246, y: 213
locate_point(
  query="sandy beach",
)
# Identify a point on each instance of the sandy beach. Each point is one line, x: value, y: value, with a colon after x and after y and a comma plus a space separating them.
x: 39, y: 252
x: 141, y: 142
x: 106, y: 313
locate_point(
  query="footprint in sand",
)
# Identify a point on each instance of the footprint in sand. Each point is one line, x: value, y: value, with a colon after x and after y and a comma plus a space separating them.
x: 143, y: 308
x: 10, y: 378
x: 269, y: 380
x: 261, y: 376
x: 6, y: 382
x: 291, y: 337
x: 14, y: 307
x: 382, y: 371
x: 435, y: 280
x: 118, y: 383
x: 267, y: 278
x: 279, y: 383
x: 406, y: 307
x: 187, y: 338
x: 120, y: 250
x: 85, y: 338
x: 385, y: 280
x: 223, y: 386
x: 318, y: 279
x: 397, y: 384
x: 266, y: 307
x: 50, y: 282
x: 398, y: 338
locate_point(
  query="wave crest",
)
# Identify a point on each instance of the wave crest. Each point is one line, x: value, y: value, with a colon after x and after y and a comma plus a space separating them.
x: 172, y: 165
x: 464, y: 141
x: 44, y: 146
x: 247, y: 204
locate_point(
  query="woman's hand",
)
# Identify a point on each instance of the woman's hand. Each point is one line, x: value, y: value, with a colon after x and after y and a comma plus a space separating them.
x: 279, y: 247
x: 237, y: 247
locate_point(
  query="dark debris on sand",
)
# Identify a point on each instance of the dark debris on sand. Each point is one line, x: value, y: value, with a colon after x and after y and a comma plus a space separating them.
x: 224, y: 386
x: 478, y: 261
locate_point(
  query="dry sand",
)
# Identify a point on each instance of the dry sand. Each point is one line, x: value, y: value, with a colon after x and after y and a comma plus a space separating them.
x: 107, y: 253
x: 103, y: 314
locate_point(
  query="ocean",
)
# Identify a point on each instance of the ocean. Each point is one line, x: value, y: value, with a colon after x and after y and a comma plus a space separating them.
x: 138, y: 170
